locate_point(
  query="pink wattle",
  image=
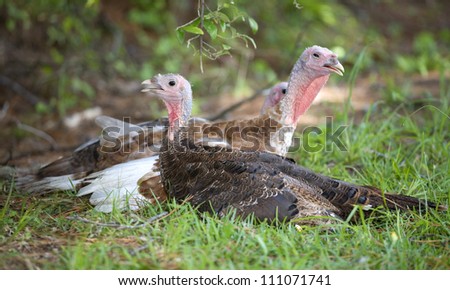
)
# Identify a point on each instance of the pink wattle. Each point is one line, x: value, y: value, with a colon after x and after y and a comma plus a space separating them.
x: 310, y: 92
x: 173, y: 115
x: 173, y: 112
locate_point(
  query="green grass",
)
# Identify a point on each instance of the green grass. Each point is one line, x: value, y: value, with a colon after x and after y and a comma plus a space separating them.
x: 398, y: 149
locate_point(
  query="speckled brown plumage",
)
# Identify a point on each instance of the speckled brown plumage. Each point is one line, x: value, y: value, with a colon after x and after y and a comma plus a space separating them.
x: 218, y: 180
x: 269, y: 186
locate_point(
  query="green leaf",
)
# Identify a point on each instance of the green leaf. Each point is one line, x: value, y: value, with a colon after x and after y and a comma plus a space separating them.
x: 90, y: 3
x: 194, y: 22
x: 211, y: 28
x: 226, y: 47
x: 210, y: 15
x: 223, y: 17
x: 180, y: 35
x: 67, y: 24
x: 192, y: 29
x: 234, y: 12
x: 42, y: 108
x: 223, y: 25
x: 221, y: 3
x: 82, y: 86
x: 253, y: 24
x: 47, y: 70
x: 57, y: 57
x: 10, y: 24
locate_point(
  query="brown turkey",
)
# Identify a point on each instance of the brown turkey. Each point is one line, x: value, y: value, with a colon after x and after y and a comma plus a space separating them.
x: 110, y: 175
x: 269, y: 186
x: 106, y: 158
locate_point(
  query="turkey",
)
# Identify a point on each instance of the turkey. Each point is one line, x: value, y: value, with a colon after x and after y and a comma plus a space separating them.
x: 100, y: 160
x: 110, y: 176
x: 274, y: 97
x: 272, y: 131
x: 271, y: 187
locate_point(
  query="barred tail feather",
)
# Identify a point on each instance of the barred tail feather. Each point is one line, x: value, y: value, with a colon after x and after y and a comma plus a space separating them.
x: 396, y: 201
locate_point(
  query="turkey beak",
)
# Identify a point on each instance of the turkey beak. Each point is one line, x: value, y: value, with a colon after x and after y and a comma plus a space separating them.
x: 148, y: 86
x: 335, y: 66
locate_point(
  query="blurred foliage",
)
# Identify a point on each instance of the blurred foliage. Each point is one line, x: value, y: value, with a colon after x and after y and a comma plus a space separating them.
x: 64, y: 51
x: 54, y: 42
x: 218, y: 24
x: 425, y: 56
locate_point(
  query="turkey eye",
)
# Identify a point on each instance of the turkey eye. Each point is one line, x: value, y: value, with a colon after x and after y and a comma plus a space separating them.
x: 316, y: 55
x: 171, y: 83
x: 283, y: 91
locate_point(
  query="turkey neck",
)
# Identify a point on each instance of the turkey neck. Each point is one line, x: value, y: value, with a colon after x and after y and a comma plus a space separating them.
x: 302, y: 90
x: 303, y: 87
x: 178, y: 114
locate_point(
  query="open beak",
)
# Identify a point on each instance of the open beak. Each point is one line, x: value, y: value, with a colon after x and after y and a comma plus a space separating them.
x: 148, y: 86
x: 336, y: 67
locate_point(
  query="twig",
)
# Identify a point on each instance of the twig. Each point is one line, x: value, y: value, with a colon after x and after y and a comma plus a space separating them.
x: 119, y: 226
x: 157, y: 217
x: 202, y: 10
x: 38, y: 133
x: 236, y: 106
x: 19, y: 89
x: 133, y: 252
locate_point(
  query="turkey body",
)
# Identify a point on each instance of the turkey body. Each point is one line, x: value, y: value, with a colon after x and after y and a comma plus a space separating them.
x: 269, y: 186
x: 220, y: 180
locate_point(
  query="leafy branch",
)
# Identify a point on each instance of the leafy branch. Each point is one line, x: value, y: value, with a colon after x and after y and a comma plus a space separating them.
x: 218, y: 24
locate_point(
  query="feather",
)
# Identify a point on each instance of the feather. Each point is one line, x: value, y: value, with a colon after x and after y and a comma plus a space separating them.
x: 63, y: 182
x: 117, y: 186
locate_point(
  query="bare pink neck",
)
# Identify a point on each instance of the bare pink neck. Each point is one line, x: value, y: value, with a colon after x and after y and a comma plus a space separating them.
x: 178, y: 114
x: 174, y: 110
x: 299, y: 98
